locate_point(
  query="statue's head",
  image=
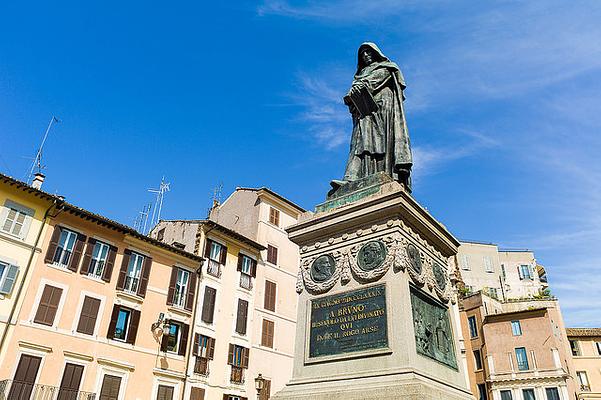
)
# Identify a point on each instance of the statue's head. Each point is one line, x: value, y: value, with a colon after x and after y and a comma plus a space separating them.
x: 368, y: 54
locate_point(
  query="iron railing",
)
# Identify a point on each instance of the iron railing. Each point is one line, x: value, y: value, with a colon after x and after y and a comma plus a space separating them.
x: 16, y: 390
x: 214, y: 268
x: 246, y: 281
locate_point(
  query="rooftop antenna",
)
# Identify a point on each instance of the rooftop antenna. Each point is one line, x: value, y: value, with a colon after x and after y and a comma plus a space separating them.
x: 37, y: 161
x: 217, y: 194
x: 158, y: 204
x: 141, y: 219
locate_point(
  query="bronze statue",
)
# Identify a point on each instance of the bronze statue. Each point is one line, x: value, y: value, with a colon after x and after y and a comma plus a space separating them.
x: 380, y: 139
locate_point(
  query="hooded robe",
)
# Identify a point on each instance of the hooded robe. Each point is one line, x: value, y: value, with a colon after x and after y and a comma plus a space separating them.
x: 380, y: 140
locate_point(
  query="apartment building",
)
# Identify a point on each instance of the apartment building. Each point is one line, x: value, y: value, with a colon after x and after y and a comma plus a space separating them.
x: 585, y: 345
x: 502, y: 274
x: 23, y: 213
x: 106, y: 314
x: 516, y: 350
x: 256, y: 218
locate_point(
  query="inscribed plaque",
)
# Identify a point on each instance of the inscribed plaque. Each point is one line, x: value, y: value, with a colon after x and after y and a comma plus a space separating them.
x: 433, y: 333
x: 348, y: 322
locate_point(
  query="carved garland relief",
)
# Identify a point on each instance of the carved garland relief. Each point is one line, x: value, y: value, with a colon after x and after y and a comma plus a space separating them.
x: 370, y: 261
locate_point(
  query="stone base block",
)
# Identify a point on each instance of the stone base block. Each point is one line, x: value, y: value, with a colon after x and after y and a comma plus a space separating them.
x: 408, y: 386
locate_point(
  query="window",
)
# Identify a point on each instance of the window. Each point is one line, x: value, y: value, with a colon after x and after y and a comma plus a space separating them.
x: 493, y: 293
x: 99, y: 257
x: 15, y: 219
x: 478, y: 359
x: 110, y: 387
x: 48, y: 306
x: 267, y: 333
x: 465, y: 262
x: 483, y: 395
x: 134, y: 270
x: 238, y: 359
x: 598, y: 344
x: 583, y: 381
x: 270, y: 295
x: 473, y: 328
x: 242, y: 317
x: 208, y: 305
x: 70, y: 382
x: 248, y: 268
x: 503, y: 274
x: 88, y: 316
x: 216, y: 253
x: 176, y: 339
x: 181, y: 285
x: 574, y: 347
x: 552, y: 394
x: 165, y: 392
x: 203, y: 350
x: 525, y: 272
x: 272, y: 254
x: 266, y: 391
x: 25, y: 377
x: 506, y: 395
x: 64, y: 250
x: 8, y: 276
x: 274, y: 216
x: 488, y: 264
x: 124, y: 324
x: 521, y: 358
x: 516, y: 328
x: 528, y: 394
x: 197, y: 393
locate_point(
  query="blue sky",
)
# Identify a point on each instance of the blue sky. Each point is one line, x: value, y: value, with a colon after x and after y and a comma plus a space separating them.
x: 502, y: 102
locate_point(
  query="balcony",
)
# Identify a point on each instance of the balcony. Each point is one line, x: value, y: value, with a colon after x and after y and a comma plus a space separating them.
x: 26, y: 391
x: 214, y: 268
x: 201, y: 366
x: 237, y: 375
x: 131, y: 284
x: 246, y: 281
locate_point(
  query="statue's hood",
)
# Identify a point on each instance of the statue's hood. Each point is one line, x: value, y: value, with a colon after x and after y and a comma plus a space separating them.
x: 374, y: 47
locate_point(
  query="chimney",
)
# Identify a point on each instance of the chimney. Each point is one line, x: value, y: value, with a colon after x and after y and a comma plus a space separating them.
x: 38, y: 179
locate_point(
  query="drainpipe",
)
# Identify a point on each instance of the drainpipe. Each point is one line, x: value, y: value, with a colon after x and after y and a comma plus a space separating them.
x: 54, y: 204
x: 193, y: 322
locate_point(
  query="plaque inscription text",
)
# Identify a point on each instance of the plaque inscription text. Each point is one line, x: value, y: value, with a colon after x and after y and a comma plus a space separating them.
x: 348, y: 322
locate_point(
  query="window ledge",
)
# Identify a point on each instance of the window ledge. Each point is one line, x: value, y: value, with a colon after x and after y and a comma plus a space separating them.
x: 179, y: 311
x: 60, y: 268
x: 93, y: 278
x: 11, y: 236
x: 130, y: 296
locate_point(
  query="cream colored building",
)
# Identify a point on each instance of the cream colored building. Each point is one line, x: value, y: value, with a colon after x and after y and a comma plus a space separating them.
x: 106, y: 314
x: 255, y: 218
x: 503, y: 274
x: 24, y: 213
x: 585, y: 344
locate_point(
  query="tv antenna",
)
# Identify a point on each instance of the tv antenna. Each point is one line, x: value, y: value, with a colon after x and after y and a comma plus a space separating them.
x: 141, y: 219
x: 37, y: 161
x: 158, y: 204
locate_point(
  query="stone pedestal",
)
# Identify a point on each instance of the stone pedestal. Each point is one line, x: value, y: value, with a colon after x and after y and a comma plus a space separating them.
x: 377, y: 317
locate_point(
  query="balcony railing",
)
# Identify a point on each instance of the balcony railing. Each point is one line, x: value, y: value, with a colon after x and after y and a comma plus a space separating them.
x: 246, y: 281
x: 131, y: 284
x: 237, y: 375
x: 214, y: 268
x: 201, y: 366
x: 15, y: 390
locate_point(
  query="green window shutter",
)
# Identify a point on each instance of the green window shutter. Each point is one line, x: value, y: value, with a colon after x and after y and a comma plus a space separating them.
x: 9, y: 281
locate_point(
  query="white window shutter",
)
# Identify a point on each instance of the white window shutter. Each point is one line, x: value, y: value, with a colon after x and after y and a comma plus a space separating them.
x: 8, y: 282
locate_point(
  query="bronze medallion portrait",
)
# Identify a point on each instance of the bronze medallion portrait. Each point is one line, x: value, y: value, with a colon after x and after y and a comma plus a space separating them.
x: 371, y: 255
x: 439, y: 275
x: 323, y: 268
x: 414, y: 258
